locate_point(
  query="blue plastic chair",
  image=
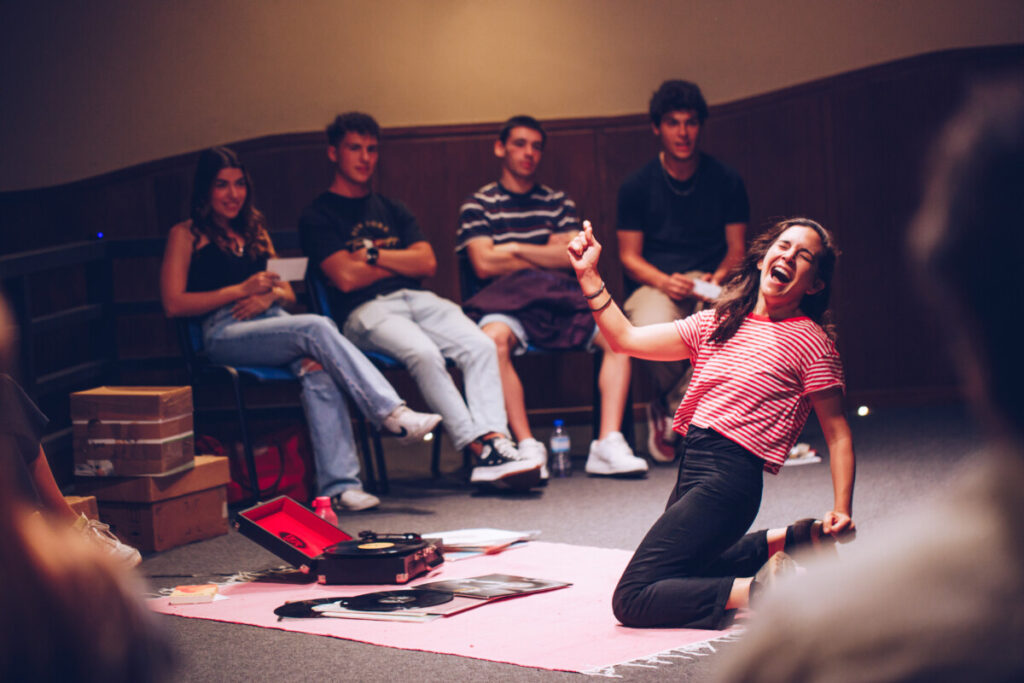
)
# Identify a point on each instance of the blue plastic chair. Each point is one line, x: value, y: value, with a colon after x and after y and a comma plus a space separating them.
x: 316, y: 288
x: 190, y: 338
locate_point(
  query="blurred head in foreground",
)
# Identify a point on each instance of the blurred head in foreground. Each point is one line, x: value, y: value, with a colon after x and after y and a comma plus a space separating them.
x: 966, y: 242
x: 68, y: 611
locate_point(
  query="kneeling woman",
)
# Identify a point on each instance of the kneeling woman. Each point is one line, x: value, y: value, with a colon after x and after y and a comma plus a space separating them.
x: 215, y: 267
x: 761, y: 361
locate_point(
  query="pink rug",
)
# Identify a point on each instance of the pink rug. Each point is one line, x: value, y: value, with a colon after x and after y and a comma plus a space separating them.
x: 571, y: 629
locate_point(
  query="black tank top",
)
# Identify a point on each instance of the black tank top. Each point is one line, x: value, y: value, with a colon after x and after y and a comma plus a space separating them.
x: 212, y: 268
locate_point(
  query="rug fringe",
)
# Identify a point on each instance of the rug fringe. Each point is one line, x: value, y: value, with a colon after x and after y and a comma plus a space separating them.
x: 686, y: 653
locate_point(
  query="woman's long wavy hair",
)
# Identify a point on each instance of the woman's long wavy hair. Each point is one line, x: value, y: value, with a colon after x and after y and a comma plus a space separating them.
x: 741, y: 287
x: 249, y: 223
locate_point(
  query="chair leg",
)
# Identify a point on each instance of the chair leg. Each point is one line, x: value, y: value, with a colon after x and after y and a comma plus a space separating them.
x: 370, y: 478
x: 382, y: 468
x: 435, y: 453
x: 243, y: 425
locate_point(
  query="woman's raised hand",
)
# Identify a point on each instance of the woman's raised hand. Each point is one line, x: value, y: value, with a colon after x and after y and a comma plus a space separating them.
x: 259, y: 283
x: 584, y: 250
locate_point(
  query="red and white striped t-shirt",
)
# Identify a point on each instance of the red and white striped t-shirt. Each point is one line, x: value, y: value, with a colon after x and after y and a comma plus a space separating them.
x: 755, y: 388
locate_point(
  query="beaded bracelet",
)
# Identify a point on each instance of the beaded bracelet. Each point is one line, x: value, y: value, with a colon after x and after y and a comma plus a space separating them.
x: 595, y: 294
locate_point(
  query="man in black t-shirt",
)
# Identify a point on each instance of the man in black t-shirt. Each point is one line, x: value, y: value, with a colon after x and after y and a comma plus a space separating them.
x: 374, y: 256
x: 682, y: 218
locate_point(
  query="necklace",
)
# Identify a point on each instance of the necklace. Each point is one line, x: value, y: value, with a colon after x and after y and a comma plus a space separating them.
x: 688, y: 185
x: 236, y: 243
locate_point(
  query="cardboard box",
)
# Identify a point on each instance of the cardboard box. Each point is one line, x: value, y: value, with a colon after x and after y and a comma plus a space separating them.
x: 208, y: 471
x: 132, y: 431
x: 159, y: 513
x: 84, y: 505
x: 169, y: 523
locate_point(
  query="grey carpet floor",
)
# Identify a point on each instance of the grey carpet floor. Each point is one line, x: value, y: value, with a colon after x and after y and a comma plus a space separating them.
x: 903, y: 456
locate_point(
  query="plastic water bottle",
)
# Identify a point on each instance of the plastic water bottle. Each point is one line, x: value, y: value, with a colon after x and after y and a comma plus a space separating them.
x: 322, y: 508
x: 559, y: 463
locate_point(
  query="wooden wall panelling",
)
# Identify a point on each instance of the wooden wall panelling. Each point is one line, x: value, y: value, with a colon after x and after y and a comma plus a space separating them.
x: 428, y: 176
x: 623, y: 150
x: 879, y: 168
x: 286, y: 178
x: 172, y: 192
x: 22, y: 216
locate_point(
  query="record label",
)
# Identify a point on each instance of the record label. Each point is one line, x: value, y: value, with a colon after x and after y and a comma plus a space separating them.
x: 380, y: 545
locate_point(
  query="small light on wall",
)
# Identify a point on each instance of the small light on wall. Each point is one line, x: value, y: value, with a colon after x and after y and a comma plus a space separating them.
x: 99, y: 235
x: 863, y: 410
x: 429, y: 436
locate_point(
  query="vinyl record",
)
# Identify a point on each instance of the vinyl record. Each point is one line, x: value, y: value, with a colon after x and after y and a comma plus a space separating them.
x: 303, y: 609
x: 393, y: 601
x: 374, y: 547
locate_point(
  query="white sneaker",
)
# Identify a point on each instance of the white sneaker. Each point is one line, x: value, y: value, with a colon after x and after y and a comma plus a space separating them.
x: 534, y: 451
x: 409, y: 425
x: 354, y: 499
x: 500, y: 465
x: 613, y: 456
x: 101, y: 534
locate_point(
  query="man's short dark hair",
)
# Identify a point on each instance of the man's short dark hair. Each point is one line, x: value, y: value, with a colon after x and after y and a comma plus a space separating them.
x: 351, y: 122
x: 677, y: 96
x: 521, y: 121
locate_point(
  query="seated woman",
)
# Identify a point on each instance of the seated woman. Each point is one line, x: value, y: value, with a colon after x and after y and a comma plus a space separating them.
x: 761, y: 361
x: 214, y: 267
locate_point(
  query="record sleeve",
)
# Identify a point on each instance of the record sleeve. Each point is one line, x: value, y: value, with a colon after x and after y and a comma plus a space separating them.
x: 493, y: 586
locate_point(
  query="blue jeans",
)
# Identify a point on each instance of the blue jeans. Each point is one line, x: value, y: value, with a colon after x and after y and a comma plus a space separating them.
x: 277, y: 338
x: 420, y: 330
x: 683, y: 570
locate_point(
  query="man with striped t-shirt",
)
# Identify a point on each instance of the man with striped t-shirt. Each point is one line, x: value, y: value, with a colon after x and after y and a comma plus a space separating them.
x: 512, y: 241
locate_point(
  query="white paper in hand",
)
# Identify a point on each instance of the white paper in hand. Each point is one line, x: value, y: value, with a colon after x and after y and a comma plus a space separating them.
x: 290, y: 269
x: 707, y: 290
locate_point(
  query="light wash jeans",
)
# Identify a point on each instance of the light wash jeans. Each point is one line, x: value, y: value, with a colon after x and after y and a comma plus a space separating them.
x: 277, y: 338
x: 420, y: 329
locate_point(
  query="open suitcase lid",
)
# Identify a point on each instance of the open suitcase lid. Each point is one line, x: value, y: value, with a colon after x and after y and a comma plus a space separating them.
x: 289, y: 530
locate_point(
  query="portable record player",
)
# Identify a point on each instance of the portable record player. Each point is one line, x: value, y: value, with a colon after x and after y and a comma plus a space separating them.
x: 378, y: 558
x: 293, y: 533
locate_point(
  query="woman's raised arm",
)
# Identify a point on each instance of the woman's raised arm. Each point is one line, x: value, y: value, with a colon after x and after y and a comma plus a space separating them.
x: 650, y: 342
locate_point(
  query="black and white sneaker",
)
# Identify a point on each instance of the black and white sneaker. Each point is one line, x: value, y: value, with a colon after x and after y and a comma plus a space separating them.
x: 500, y: 465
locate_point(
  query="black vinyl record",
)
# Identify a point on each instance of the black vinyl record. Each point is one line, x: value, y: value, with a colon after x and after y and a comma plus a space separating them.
x: 374, y: 547
x: 393, y: 601
x: 303, y: 609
